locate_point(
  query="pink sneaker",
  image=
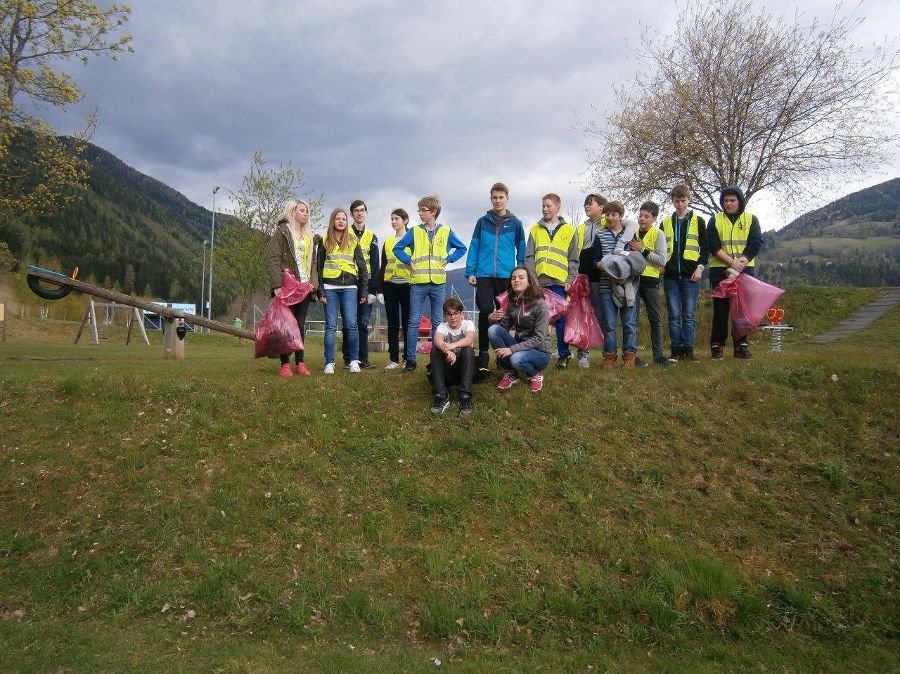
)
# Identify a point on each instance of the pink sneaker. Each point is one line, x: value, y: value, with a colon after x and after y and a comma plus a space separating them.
x: 302, y: 370
x: 507, y: 382
x: 285, y: 370
x: 536, y: 382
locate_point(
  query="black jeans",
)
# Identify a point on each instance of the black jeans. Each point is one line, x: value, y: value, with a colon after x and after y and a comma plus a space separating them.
x: 461, y: 372
x: 719, y: 334
x: 487, y: 289
x: 396, y: 306
x: 299, y: 310
x: 648, y: 294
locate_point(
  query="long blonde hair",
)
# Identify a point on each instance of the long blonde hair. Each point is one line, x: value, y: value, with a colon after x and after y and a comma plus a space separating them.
x: 288, y: 214
x: 348, y: 239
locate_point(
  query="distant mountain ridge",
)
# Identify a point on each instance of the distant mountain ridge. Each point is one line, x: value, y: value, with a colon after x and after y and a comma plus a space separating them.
x: 854, y: 240
x: 125, y: 219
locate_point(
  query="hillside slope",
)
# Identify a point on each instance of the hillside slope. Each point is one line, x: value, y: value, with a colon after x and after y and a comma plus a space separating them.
x: 854, y: 240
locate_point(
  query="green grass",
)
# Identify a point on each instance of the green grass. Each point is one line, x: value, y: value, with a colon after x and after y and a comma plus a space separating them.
x: 722, y: 516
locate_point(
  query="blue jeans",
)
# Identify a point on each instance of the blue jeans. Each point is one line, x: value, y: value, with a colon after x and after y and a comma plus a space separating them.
x: 681, y: 301
x: 610, y: 316
x: 363, y: 314
x: 345, y: 299
x: 529, y: 361
x: 562, y: 349
x: 418, y: 293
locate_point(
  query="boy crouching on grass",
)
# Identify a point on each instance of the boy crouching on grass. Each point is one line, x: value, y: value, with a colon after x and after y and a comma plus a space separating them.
x: 453, y: 358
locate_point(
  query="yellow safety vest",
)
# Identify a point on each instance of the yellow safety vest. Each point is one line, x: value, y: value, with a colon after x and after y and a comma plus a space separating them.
x: 582, y: 228
x: 650, y: 243
x: 429, y: 255
x: 365, y: 242
x: 733, y: 236
x: 691, y: 243
x: 551, y: 257
x: 340, y: 260
x: 394, y: 268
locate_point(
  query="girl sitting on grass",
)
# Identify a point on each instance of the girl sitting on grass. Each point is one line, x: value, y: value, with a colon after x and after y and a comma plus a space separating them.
x: 526, y: 313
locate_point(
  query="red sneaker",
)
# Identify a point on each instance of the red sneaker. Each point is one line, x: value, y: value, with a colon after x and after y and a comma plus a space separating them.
x: 536, y: 382
x: 302, y: 370
x: 285, y: 370
x: 507, y: 382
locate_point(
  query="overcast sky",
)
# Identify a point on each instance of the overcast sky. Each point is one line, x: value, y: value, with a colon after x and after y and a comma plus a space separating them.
x: 383, y: 100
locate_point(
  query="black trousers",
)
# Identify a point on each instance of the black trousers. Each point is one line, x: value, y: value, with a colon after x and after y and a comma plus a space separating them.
x: 721, y: 306
x: 396, y: 306
x: 299, y: 310
x: 487, y: 289
x: 460, y: 373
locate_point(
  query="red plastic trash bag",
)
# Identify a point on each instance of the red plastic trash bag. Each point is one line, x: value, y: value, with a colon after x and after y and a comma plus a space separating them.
x: 278, y: 332
x: 582, y: 329
x: 424, y: 347
x: 557, y: 307
x: 425, y: 327
x: 749, y: 301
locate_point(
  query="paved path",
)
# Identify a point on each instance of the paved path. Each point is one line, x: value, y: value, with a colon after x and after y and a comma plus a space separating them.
x: 863, y: 317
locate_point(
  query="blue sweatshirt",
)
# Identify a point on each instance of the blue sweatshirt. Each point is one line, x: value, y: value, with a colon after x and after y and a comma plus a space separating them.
x: 498, y: 245
x: 455, y: 248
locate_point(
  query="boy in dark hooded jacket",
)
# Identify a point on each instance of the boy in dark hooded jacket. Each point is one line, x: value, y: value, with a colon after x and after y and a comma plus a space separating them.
x: 735, y: 238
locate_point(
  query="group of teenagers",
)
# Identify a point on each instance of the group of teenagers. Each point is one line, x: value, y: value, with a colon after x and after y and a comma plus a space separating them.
x: 627, y: 263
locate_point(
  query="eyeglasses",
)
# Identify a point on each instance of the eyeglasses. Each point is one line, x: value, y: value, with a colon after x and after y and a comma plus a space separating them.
x: 359, y: 209
x: 424, y: 210
x: 453, y: 314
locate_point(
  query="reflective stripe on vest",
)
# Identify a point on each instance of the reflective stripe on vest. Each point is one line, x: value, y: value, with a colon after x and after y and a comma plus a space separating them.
x: 551, y: 257
x: 650, y: 242
x: 733, y: 236
x: 393, y: 267
x: 365, y: 242
x: 340, y: 260
x: 691, y: 242
x: 429, y: 255
x: 582, y: 229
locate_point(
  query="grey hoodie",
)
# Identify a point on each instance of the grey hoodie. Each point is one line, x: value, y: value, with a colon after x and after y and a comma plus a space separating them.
x: 529, y: 319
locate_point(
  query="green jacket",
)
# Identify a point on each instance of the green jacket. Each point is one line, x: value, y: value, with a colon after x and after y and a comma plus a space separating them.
x: 280, y: 256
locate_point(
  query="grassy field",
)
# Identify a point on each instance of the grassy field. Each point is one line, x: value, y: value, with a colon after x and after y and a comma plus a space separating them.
x: 205, y: 515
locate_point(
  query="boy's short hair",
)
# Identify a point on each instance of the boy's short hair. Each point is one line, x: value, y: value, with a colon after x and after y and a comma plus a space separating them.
x: 432, y: 203
x: 453, y: 304
x: 651, y: 207
x: 598, y: 199
x: 357, y: 203
x: 552, y: 197
x: 500, y: 187
x: 614, y: 207
x: 680, y: 192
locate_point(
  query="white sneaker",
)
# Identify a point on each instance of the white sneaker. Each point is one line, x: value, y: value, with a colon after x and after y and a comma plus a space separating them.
x: 392, y: 366
x: 329, y: 369
x: 354, y: 366
x: 584, y: 362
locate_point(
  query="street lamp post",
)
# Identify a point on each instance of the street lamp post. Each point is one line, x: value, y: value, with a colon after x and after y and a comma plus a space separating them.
x: 203, y: 278
x: 212, y: 245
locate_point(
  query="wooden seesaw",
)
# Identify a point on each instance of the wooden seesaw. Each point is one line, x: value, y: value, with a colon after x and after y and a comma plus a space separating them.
x: 174, y: 321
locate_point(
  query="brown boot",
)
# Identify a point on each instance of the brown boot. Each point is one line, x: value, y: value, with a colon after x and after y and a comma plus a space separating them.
x: 609, y: 360
x: 629, y: 360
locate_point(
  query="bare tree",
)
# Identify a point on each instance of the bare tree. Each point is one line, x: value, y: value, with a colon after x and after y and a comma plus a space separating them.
x: 738, y: 96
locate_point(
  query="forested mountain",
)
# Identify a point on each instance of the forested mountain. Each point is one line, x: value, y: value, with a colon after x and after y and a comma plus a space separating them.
x: 129, y: 230
x: 852, y: 241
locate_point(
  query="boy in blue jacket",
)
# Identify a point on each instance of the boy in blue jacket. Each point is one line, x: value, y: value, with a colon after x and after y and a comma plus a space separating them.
x: 498, y: 246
